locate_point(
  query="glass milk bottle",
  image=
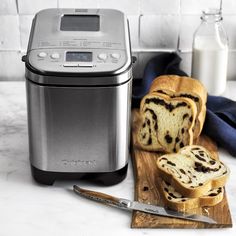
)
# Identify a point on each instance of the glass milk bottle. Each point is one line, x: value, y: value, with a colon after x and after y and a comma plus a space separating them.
x: 210, y: 52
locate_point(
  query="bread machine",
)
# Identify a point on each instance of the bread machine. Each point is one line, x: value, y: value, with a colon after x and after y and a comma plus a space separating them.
x: 78, y: 80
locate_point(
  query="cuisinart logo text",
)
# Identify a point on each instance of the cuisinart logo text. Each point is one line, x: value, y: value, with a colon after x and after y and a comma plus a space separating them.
x: 78, y: 162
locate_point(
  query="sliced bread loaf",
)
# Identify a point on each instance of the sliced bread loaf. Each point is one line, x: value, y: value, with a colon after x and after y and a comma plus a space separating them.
x: 166, y: 122
x: 176, y: 201
x: 176, y: 86
x: 192, y: 171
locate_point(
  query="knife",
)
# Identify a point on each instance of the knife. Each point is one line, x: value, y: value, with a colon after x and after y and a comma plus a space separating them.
x: 134, y: 205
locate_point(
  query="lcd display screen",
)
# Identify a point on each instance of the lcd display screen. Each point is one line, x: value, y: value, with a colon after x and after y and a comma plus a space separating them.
x: 79, y: 56
x: 80, y: 23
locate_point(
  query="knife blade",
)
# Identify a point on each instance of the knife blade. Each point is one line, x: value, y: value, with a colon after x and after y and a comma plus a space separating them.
x: 134, y: 205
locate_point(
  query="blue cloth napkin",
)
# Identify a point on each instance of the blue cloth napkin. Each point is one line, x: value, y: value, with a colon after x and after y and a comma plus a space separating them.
x: 162, y: 64
x: 220, y: 123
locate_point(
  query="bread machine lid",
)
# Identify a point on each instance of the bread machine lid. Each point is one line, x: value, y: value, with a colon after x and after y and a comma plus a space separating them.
x: 89, y: 46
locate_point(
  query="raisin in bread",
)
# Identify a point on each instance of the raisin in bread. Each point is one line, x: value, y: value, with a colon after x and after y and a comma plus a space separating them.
x: 176, y: 86
x: 166, y: 123
x: 192, y: 171
x: 176, y: 201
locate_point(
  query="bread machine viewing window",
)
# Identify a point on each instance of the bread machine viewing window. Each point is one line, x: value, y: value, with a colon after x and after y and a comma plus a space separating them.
x: 80, y: 23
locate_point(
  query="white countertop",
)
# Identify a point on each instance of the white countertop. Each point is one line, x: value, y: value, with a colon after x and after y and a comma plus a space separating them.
x: 27, y: 208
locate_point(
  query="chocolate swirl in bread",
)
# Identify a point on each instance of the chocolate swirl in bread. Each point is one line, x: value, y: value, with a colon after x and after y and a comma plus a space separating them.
x: 177, y: 86
x: 166, y: 122
x: 192, y: 171
x: 175, y: 200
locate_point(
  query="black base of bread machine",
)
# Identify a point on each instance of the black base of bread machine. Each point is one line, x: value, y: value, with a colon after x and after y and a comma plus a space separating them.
x: 104, y: 178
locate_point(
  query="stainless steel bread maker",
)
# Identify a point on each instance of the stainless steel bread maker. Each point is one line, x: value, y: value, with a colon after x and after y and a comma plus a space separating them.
x: 78, y: 81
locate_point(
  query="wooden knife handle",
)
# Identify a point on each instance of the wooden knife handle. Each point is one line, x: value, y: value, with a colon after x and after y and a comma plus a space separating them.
x: 97, y: 196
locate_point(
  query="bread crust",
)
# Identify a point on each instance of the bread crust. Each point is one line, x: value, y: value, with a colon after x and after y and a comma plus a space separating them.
x: 196, y: 191
x: 168, y: 99
x: 190, y: 203
x: 177, y: 85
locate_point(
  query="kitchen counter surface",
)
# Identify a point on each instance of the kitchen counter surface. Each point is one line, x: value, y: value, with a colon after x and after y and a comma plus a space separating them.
x: 27, y: 208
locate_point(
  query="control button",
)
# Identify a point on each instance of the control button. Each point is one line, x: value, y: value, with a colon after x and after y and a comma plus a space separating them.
x: 115, y: 55
x: 70, y: 65
x: 42, y: 54
x: 85, y: 64
x: 102, y: 56
x: 55, y: 55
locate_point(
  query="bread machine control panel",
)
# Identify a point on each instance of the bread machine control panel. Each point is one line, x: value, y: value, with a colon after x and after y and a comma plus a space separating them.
x: 77, y: 60
x: 79, y: 40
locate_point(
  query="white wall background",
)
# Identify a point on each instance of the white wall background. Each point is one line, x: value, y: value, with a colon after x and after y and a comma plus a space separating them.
x: 156, y: 25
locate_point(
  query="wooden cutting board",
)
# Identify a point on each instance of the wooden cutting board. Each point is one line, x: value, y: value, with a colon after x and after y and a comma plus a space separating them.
x: 146, y: 190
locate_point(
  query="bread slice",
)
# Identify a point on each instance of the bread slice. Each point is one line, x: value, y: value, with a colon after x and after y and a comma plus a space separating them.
x: 192, y: 171
x: 176, y: 201
x: 176, y: 86
x: 166, y: 123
